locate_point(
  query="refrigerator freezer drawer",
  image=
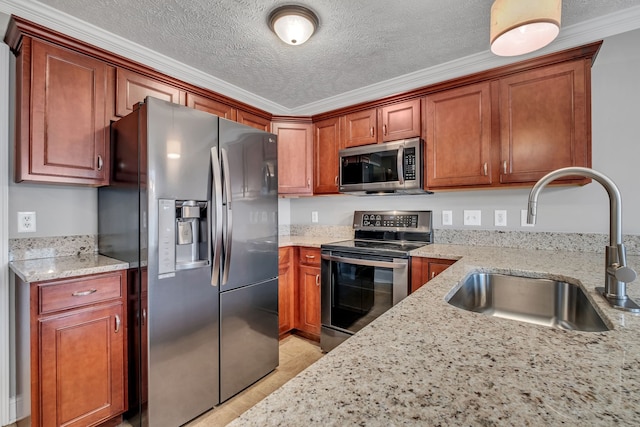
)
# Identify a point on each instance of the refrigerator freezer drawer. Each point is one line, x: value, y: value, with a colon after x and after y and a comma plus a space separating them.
x: 248, y: 336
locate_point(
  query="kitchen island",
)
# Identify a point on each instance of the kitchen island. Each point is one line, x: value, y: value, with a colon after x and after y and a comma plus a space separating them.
x: 425, y: 362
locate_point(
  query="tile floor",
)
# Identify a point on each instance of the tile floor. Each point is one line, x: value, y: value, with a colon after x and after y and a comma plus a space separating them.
x: 296, y: 353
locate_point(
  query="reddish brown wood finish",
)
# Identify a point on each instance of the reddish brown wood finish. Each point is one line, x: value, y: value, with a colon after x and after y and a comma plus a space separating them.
x: 78, y: 292
x: 400, y: 121
x: 286, y: 290
x: 545, y: 121
x: 211, y: 106
x: 309, y: 292
x: 327, y: 143
x: 425, y: 269
x: 62, y: 117
x: 78, y: 355
x: 458, y: 137
x: 253, y: 120
x: 295, y: 157
x: 132, y: 88
x: 361, y: 128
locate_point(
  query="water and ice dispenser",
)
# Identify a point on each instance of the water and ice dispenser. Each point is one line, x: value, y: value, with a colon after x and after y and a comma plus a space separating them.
x: 183, y: 235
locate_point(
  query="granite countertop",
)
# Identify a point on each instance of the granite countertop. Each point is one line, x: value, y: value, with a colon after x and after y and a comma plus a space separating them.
x: 36, y: 270
x: 425, y: 362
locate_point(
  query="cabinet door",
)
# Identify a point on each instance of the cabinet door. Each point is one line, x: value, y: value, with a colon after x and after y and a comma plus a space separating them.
x: 309, y: 302
x: 326, y: 138
x: 253, y: 121
x: 286, y: 290
x: 437, y: 266
x: 401, y: 120
x: 295, y: 157
x: 63, y: 118
x: 425, y: 269
x: 132, y: 88
x: 210, y: 106
x: 545, y: 122
x: 82, y: 366
x: 360, y: 128
x: 458, y: 137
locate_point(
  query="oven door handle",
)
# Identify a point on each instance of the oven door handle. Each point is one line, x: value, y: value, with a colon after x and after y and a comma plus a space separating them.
x: 371, y: 263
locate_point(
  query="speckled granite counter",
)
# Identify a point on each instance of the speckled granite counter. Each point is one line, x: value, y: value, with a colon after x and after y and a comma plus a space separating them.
x: 35, y: 270
x: 425, y: 362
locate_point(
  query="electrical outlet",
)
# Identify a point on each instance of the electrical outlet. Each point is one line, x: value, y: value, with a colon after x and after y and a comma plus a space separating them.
x: 500, y: 218
x: 314, y: 216
x: 26, y: 222
x: 472, y: 217
x: 447, y: 218
x: 523, y: 219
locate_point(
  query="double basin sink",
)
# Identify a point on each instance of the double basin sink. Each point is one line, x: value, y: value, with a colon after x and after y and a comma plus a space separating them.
x: 533, y: 300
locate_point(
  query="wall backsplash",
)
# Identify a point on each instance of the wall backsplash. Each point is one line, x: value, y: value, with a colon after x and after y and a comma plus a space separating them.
x: 49, y: 247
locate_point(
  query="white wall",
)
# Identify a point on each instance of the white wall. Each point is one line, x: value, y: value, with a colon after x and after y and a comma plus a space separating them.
x: 616, y: 153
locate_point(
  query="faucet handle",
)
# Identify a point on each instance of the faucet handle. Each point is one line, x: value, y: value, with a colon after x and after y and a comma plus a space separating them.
x: 625, y: 274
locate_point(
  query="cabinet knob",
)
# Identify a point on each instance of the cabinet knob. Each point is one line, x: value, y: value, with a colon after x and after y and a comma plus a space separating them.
x: 117, y: 323
x: 317, y: 280
x: 371, y: 131
x: 504, y: 167
x: 384, y: 129
x: 433, y: 274
x: 100, y: 162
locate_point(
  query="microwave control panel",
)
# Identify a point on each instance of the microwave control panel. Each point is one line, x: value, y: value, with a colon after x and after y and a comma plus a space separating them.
x: 410, y: 164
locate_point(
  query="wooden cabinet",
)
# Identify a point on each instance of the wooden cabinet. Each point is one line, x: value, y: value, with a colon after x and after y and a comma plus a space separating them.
x: 295, y: 157
x: 286, y: 290
x: 309, y: 292
x: 253, y: 120
x: 545, y: 121
x: 132, y: 88
x: 327, y: 143
x: 211, y: 106
x: 389, y: 123
x: 425, y: 269
x: 458, y: 137
x: 77, y: 329
x: 62, y: 116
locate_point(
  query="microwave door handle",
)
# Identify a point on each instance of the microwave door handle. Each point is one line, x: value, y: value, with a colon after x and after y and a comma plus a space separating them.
x: 216, y: 230
x: 401, y: 165
x: 226, y: 172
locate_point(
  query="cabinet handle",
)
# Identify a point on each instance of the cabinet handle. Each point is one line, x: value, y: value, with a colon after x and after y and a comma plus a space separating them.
x: 310, y: 256
x: 433, y: 274
x: 384, y: 129
x: 371, y: 131
x: 144, y: 316
x: 99, y: 162
x: 84, y: 293
x: 485, y: 169
x: 336, y: 180
x: 317, y: 280
x: 308, y: 182
x: 504, y: 167
x: 117, y: 323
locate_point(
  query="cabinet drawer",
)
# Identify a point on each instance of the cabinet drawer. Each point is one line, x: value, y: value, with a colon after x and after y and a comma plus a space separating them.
x: 309, y: 256
x: 70, y: 293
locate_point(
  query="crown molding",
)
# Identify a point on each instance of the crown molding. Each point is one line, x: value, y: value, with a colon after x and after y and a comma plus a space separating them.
x: 572, y: 36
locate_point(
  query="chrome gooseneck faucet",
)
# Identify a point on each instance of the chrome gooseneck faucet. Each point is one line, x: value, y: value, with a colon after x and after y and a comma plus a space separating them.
x: 617, y: 274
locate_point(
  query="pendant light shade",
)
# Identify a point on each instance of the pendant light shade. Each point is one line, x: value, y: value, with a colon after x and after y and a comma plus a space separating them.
x: 293, y: 24
x: 519, y: 27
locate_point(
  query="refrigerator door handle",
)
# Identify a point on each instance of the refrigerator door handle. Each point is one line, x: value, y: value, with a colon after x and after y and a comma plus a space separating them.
x: 216, y: 231
x: 226, y: 171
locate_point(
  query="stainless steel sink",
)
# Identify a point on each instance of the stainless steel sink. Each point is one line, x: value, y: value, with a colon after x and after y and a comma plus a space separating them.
x: 540, y: 301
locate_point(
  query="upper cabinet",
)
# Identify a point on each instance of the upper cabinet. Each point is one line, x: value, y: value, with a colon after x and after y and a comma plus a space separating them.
x: 545, y: 121
x: 253, y: 120
x: 211, y: 106
x: 326, y: 144
x: 62, y: 115
x: 295, y: 157
x: 388, y: 123
x: 133, y: 88
x: 458, y: 137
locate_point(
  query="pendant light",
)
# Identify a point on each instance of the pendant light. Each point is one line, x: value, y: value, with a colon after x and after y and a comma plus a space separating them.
x: 293, y: 24
x: 519, y: 27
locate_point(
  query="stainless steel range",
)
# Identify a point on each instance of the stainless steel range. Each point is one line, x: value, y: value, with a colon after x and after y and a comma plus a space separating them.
x: 364, y: 277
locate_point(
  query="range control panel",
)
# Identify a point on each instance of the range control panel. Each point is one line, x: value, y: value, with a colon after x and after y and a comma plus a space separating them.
x: 392, y: 220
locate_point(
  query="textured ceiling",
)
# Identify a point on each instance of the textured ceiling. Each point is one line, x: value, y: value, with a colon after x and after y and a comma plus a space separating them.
x: 359, y: 42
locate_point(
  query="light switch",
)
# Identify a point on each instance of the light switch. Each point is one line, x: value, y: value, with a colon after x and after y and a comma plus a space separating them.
x: 472, y: 217
x: 447, y: 218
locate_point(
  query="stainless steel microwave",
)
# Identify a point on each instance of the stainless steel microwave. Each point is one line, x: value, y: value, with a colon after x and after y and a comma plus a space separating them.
x: 390, y: 167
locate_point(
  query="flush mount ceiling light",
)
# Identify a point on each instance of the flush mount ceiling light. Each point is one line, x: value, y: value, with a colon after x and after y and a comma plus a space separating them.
x: 519, y: 27
x: 293, y: 24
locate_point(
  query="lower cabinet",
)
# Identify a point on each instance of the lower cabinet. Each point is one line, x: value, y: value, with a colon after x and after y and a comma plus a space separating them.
x: 286, y: 290
x: 309, y: 301
x: 425, y: 269
x: 77, y: 331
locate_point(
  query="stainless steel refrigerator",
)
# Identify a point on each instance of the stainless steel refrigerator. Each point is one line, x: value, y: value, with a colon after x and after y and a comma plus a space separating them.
x: 192, y: 206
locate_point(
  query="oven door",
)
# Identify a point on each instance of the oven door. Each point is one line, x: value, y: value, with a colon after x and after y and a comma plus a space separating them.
x: 355, y: 289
